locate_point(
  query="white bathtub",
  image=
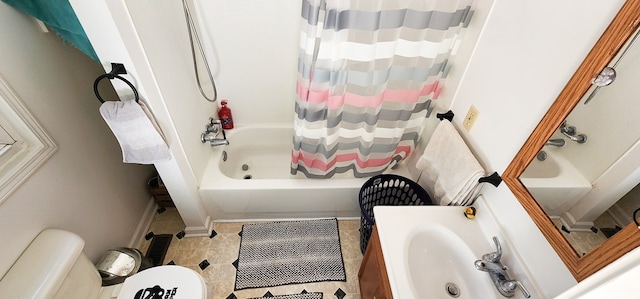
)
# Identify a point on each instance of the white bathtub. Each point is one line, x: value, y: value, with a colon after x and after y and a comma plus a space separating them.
x: 266, y: 189
x: 555, y: 183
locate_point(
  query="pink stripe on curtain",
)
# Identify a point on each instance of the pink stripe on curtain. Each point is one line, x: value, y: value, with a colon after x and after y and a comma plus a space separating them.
x: 310, y: 161
x: 356, y: 100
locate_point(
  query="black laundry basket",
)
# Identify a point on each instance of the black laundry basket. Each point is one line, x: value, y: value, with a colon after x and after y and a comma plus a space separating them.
x: 387, y: 190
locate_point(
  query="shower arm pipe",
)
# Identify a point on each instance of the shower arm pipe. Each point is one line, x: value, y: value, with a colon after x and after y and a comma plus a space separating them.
x: 612, y: 68
x: 193, y: 34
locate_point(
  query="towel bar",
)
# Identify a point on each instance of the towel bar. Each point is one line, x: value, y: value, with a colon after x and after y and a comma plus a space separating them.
x: 116, y: 69
x: 494, y: 178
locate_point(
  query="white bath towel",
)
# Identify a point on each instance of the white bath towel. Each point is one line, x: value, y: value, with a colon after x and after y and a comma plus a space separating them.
x: 450, y: 172
x: 137, y: 131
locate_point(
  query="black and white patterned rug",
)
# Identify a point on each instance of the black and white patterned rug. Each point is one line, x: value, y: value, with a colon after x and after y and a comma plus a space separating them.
x: 314, y: 295
x: 289, y: 252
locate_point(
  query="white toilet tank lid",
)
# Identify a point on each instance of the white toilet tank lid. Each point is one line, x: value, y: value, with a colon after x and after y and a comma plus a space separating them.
x: 171, y: 282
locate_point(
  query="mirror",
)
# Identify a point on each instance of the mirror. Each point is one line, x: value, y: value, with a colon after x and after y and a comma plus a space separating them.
x: 584, y: 203
x: 585, y: 177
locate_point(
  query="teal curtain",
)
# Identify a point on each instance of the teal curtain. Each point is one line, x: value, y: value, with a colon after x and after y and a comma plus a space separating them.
x: 58, y: 15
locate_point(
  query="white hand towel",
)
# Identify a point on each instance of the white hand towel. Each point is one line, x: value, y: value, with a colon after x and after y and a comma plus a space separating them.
x: 450, y: 170
x: 137, y: 132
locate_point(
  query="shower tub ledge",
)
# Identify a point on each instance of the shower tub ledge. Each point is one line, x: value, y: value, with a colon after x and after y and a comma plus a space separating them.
x: 555, y: 183
x: 254, y: 181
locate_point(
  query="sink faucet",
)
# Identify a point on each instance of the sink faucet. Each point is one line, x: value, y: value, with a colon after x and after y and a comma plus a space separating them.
x: 214, y: 127
x: 491, y: 264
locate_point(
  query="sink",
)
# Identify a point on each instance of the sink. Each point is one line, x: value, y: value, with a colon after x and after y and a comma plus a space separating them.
x: 441, y: 265
x: 429, y: 251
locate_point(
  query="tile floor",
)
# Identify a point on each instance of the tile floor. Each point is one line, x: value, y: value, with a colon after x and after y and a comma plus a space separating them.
x: 222, y: 250
x: 583, y: 242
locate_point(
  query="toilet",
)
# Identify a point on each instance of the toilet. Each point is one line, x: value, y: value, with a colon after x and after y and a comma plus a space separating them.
x: 54, y: 266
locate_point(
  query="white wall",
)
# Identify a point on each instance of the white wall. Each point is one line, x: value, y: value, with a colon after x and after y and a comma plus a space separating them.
x: 84, y: 188
x: 527, y: 52
x: 251, y: 47
x: 112, y: 33
x: 255, y: 48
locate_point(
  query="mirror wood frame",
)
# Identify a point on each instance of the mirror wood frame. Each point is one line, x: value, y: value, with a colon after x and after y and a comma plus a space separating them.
x: 613, y: 39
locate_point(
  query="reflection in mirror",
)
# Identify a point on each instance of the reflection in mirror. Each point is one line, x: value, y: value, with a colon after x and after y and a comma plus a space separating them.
x: 584, y: 177
x: 619, y: 32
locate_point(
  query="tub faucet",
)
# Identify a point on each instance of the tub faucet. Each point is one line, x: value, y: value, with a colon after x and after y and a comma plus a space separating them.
x: 556, y: 142
x: 211, y: 132
x: 570, y: 132
x: 491, y: 264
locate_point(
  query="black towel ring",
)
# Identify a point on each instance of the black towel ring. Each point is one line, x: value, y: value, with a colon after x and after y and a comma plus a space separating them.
x: 116, y: 69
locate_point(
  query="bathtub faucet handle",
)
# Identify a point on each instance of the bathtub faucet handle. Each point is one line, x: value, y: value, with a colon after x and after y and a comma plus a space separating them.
x: 213, y: 121
x: 211, y: 132
x: 209, y: 128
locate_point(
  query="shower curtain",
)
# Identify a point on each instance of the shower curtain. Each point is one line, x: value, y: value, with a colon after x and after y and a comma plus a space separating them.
x: 367, y: 70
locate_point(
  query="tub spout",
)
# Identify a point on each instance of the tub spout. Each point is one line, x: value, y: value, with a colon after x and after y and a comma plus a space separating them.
x: 217, y: 142
x: 556, y: 142
x: 213, y: 141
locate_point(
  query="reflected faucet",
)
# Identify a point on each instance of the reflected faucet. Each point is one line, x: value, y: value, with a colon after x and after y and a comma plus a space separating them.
x: 556, y: 142
x: 491, y: 264
x: 570, y: 132
x: 214, y: 127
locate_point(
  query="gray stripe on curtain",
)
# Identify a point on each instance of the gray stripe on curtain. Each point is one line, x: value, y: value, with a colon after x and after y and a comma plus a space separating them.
x: 357, y: 116
x: 363, y: 149
x: 376, y: 20
x: 369, y: 78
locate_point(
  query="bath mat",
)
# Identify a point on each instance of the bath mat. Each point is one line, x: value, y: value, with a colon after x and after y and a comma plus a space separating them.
x: 313, y: 295
x: 289, y: 252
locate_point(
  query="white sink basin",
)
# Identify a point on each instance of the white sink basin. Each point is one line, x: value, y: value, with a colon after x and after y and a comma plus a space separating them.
x: 429, y: 252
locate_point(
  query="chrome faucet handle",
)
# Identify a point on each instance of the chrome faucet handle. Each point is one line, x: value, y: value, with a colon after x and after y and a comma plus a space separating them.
x: 204, y: 137
x: 510, y: 286
x: 211, y: 128
x: 567, y: 130
x: 494, y: 256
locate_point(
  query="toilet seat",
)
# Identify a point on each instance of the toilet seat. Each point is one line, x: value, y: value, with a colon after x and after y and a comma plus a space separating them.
x: 170, y: 282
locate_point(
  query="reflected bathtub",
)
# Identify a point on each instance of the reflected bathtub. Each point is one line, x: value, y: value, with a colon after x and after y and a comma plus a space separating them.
x: 250, y: 179
x: 555, y: 183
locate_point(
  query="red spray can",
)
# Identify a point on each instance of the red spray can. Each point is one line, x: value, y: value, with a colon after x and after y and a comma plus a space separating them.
x: 224, y: 113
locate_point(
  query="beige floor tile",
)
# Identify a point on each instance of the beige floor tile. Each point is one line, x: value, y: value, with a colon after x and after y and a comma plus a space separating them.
x: 222, y: 250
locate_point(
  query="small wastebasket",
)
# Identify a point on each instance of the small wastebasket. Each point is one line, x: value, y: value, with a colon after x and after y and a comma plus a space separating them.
x: 387, y: 190
x: 119, y: 263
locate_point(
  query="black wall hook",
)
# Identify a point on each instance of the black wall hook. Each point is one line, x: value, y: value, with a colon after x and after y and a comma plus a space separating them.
x: 116, y: 70
x: 493, y: 179
x: 448, y: 115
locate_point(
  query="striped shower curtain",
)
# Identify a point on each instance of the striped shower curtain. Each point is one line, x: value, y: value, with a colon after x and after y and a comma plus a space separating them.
x: 366, y: 72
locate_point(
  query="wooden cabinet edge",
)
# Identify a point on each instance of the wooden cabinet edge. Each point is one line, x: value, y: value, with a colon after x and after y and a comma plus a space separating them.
x: 374, y: 251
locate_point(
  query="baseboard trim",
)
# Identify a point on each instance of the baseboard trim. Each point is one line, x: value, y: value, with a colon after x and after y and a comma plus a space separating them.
x: 144, y: 224
x: 200, y: 231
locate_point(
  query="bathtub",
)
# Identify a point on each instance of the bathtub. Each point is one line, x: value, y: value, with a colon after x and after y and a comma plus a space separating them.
x: 555, y: 183
x: 250, y: 179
